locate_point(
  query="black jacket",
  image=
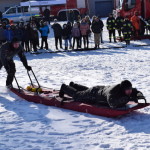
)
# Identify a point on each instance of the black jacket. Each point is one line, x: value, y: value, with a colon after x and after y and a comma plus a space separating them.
x: 57, y: 30
x: 65, y: 33
x: 109, y: 95
x: 7, y: 52
x: 127, y: 27
x: 97, y: 27
x: 119, y: 22
x: 111, y: 23
x: 114, y: 96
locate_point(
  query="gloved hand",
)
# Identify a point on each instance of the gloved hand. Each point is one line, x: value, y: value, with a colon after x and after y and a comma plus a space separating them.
x: 29, y: 68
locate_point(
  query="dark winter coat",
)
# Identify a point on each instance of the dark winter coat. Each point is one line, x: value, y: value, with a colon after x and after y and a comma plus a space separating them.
x: 111, y: 95
x: 127, y: 27
x: 111, y: 23
x: 57, y: 30
x: 2, y: 35
x: 26, y: 35
x: 119, y: 22
x: 18, y: 33
x: 65, y: 33
x: 34, y: 34
x: 7, y: 52
x: 97, y: 27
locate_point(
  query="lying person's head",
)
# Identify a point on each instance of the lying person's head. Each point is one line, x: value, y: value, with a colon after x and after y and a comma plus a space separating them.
x: 126, y: 87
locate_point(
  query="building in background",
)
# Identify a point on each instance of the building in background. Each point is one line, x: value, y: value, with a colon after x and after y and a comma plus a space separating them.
x: 100, y: 7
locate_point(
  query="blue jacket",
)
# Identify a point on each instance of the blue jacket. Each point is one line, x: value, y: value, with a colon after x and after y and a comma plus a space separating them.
x: 44, y: 31
x: 9, y: 35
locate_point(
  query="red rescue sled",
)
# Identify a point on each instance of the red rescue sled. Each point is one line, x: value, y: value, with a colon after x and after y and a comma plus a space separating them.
x: 50, y: 97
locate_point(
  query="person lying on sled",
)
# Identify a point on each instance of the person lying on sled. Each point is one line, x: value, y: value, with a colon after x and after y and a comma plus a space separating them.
x: 114, y: 96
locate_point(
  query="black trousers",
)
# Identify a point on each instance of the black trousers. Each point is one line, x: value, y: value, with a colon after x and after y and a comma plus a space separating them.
x: 34, y: 43
x: 85, y: 40
x: 112, y: 33
x: 44, y: 40
x: 76, y: 39
x: 27, y: 48
x: 11, y: 70
x: 80, y: 93
x: 56, y: 41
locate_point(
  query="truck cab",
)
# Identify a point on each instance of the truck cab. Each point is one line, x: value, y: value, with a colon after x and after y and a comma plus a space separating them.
x: 19, y: 13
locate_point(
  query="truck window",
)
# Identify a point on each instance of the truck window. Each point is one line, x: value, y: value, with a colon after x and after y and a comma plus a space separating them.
x: 19, y: 10
x: 25, y: 9
x: 11, y: 11
x: 129, y: 4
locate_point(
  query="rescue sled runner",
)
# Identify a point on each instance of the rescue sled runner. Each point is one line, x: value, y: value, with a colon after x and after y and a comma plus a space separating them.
x: 51, y: 97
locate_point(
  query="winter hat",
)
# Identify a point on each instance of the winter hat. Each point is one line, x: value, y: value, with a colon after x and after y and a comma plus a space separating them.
x: 15, y: 40
x: 126, y: 85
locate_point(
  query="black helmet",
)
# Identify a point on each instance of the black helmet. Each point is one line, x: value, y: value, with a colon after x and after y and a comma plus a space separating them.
x: 126, y: 85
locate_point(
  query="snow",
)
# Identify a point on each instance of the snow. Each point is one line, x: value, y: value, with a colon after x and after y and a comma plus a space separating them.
x: 29, y: 126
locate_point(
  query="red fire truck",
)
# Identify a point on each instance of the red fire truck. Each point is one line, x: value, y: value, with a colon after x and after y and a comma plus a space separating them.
x: 128, y: 7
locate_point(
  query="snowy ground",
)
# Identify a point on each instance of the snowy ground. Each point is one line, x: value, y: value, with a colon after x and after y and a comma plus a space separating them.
x: 29, y: 126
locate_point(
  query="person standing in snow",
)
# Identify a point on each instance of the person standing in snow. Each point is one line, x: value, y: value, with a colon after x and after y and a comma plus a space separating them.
x: 76, y: 35
x: 114, y: 96
x: 127, y: 29
x: 136, y: 23
x: 119, y: 24
x: 44, y: 35
x: 57, y: 33
x: 85, y: 28
x: 111, y: 26
x: 26, y: 38
x: 97, y: 27
x: 65, y: 35
x: 7, y: 53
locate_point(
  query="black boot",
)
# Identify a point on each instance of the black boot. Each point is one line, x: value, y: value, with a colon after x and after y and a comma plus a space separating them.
x: 65, y: 89
x: 61, y: 92
x: 95, y: 46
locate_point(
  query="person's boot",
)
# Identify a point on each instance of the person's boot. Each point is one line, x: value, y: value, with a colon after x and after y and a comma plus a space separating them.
x: 66, y: 48
x: 61, y: 92
x: 109, y: 40
x: 115, y: 40
x: 95, y: 46
x: 56, y: 47
x: 65, y: 89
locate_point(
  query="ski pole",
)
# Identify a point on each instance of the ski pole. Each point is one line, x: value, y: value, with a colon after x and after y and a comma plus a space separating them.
x: 30, y: 78
x: 17, y: 84
x: 35, y: 78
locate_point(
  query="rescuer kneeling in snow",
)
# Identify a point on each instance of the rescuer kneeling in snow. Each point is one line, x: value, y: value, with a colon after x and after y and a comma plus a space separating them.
x: 114, y: 96
x: 7, y: 52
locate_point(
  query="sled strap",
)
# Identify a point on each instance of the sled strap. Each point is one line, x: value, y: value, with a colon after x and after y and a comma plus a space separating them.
x: 17, y: 84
